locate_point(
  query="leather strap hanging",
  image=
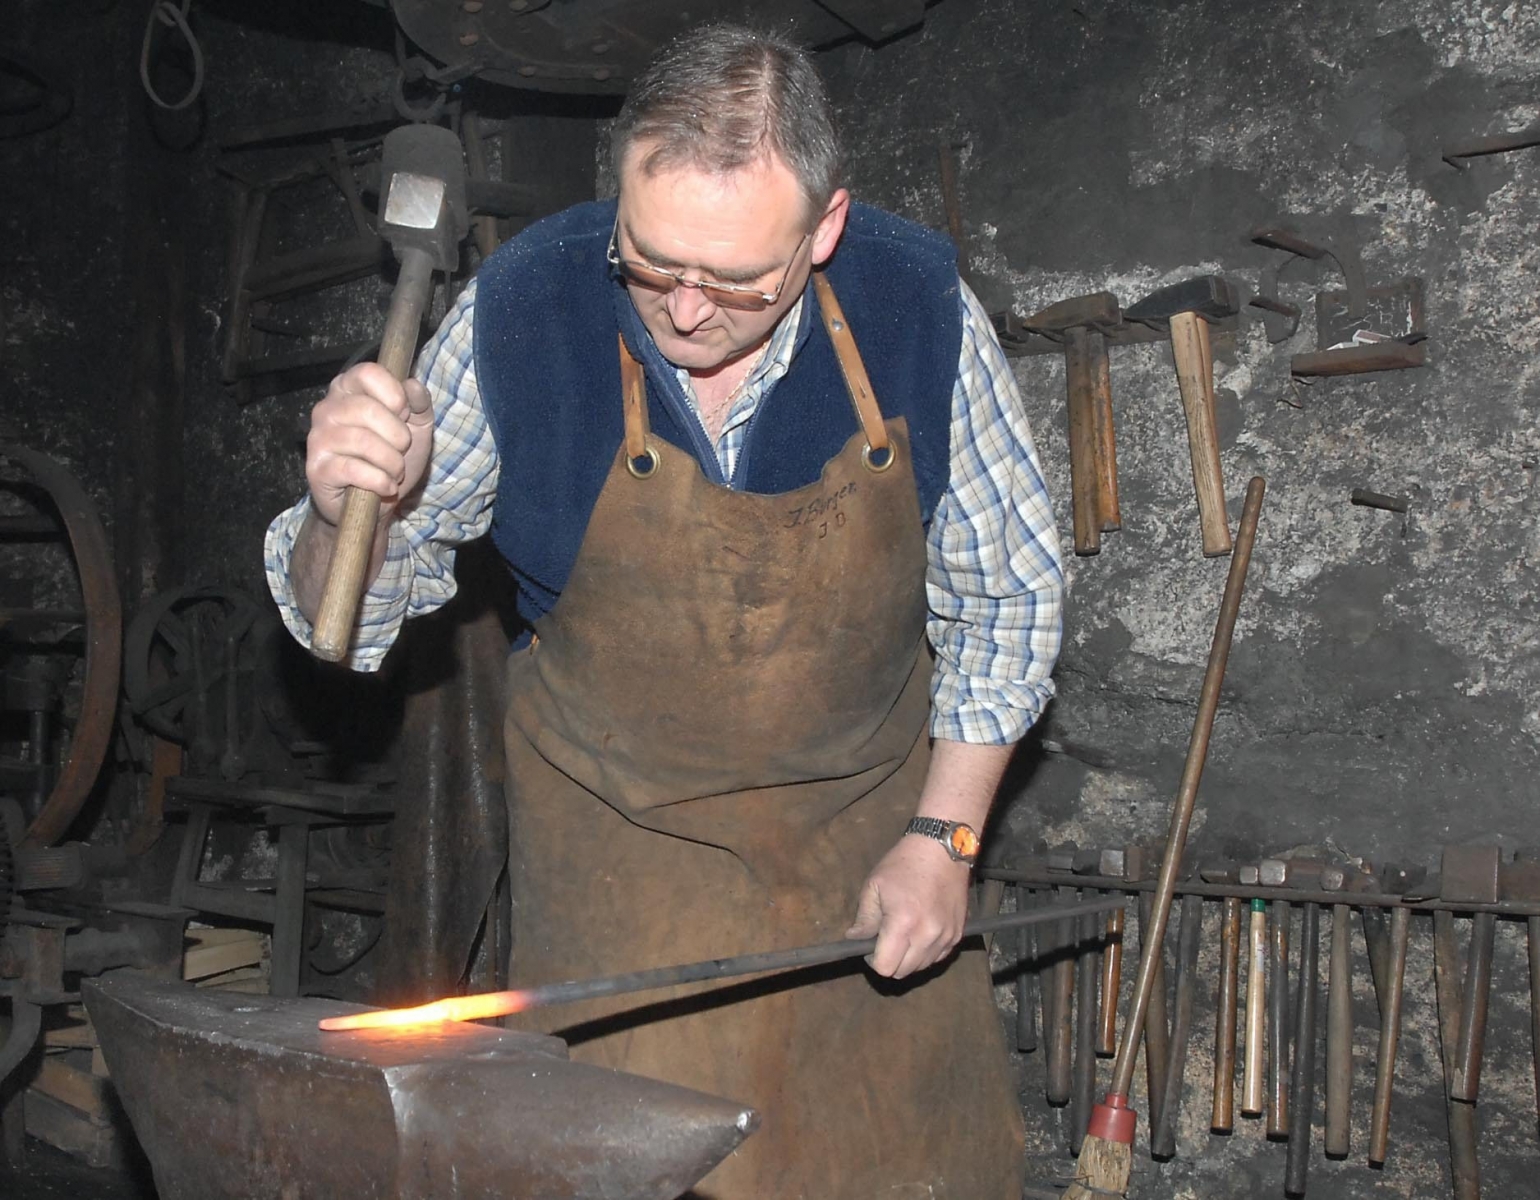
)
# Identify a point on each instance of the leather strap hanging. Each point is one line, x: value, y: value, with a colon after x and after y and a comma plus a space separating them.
x: 854, y: 370
x: 633, y: 386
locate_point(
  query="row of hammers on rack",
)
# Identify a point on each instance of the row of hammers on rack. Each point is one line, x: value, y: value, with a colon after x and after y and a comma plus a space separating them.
x: 1265, y: 1035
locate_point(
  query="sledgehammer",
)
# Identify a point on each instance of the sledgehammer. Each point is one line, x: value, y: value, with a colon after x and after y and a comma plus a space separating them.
x: 1186, y: 308
x: 423, y: 215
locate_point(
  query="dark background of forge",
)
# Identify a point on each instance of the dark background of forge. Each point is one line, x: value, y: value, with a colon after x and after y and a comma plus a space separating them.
x: 1381, y: 692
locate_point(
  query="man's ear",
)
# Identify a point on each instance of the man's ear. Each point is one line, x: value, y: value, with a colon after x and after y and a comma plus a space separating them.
x: 826, y: 234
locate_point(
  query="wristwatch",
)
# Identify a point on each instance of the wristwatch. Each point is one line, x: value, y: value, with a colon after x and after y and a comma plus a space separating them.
x: 961, y: 841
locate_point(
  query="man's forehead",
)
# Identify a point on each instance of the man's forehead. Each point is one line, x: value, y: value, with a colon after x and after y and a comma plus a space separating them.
x: 726, y: 239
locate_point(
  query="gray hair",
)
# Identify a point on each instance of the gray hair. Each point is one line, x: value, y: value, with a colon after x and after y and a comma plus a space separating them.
x: 722, y: 97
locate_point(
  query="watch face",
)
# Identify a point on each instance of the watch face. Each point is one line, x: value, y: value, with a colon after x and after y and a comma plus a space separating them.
x: 965, y: 843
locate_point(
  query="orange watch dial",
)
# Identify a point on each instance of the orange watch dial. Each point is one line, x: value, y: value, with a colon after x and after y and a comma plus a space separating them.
x: 965, y: 842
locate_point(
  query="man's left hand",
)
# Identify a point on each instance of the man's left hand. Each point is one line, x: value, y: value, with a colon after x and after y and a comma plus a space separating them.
x: 915, y: 902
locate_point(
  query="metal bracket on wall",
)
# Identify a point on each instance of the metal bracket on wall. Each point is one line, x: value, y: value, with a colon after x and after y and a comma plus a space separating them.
x: 1280, y: 318
x: 1386, y: 335
x: 1501, y: 143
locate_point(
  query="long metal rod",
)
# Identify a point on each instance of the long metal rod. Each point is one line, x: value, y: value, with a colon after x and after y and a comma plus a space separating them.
x: 489, y: 1004
x: 1192, y: 773
x: 1391, y: 900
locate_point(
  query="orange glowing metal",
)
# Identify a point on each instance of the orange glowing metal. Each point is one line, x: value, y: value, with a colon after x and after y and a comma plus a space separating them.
x: 453, y: 1008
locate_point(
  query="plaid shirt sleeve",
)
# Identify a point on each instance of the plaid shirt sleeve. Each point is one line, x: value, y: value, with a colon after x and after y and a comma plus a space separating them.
x: 995, y: 582
x: 455, y: 505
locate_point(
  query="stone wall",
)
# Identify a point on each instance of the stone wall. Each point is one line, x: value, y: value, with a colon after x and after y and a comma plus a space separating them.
x: 1380, y: 696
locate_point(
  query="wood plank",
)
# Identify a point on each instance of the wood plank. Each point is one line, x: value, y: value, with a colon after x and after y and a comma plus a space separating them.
x: 81, y: 1090
x: 199, y: 962
x: 96, y: 1143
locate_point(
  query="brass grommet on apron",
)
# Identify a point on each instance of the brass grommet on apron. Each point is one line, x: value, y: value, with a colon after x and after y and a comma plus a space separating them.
x: 649, y: 457
x: 871, y: 464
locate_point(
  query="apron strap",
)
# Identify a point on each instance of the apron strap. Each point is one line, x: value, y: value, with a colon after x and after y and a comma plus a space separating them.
x: 878, y: 455
x: 854, y: 370
x: 633, y: 386
x: 641, y: 459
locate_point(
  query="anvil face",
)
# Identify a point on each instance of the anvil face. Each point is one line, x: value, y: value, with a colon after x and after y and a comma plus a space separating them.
x: 242, y: 1096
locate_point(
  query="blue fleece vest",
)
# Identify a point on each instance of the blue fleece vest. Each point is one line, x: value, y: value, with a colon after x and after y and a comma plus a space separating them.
x: 549, y: 306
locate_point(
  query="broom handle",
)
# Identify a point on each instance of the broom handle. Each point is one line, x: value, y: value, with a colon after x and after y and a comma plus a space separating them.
x: 1192, y: 772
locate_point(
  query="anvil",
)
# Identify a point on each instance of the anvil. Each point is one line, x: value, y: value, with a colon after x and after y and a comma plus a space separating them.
x: 237, y: 1095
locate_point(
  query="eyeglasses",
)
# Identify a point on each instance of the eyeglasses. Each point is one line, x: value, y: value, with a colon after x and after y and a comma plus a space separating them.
x: 727, y: 295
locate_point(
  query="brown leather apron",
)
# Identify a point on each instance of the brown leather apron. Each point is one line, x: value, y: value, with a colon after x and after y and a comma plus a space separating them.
x: 719, y: 731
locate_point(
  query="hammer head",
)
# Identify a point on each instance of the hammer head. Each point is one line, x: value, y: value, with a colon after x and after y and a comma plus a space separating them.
x: 422, y: 193
x: 1099, y: 310
x: 1212, y: 297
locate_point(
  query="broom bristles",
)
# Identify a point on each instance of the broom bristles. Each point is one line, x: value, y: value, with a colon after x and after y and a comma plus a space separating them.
x: 1102, y: 1169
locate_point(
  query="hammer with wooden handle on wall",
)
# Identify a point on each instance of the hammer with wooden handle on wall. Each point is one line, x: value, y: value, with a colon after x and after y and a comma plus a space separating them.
x: 1081, y: 324
x: 1186, y: 309
x: 423, y: 215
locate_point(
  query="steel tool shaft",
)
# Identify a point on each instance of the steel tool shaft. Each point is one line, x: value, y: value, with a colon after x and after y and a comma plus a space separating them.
x: 496, y: 1004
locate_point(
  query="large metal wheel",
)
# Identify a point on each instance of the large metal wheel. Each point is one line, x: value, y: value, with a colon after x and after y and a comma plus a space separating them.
x: 101, y: 619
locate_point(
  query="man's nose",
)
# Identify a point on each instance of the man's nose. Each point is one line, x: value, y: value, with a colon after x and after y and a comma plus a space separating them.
x: 688, y: 307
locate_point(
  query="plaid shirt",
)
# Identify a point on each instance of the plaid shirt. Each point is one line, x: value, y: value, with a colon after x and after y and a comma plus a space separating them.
x: 994, y: 580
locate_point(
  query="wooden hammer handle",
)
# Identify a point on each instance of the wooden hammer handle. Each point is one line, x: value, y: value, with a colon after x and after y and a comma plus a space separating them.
x: 1222, y: 1117
x: 345, y: 576
x: 1390, y: 1035
x: 1085, y: 480
x: 1195, y: 378
x: 1254, y: 1085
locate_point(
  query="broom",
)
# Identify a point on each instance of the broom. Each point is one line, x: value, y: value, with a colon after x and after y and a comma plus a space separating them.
x: 1106, y: 1154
